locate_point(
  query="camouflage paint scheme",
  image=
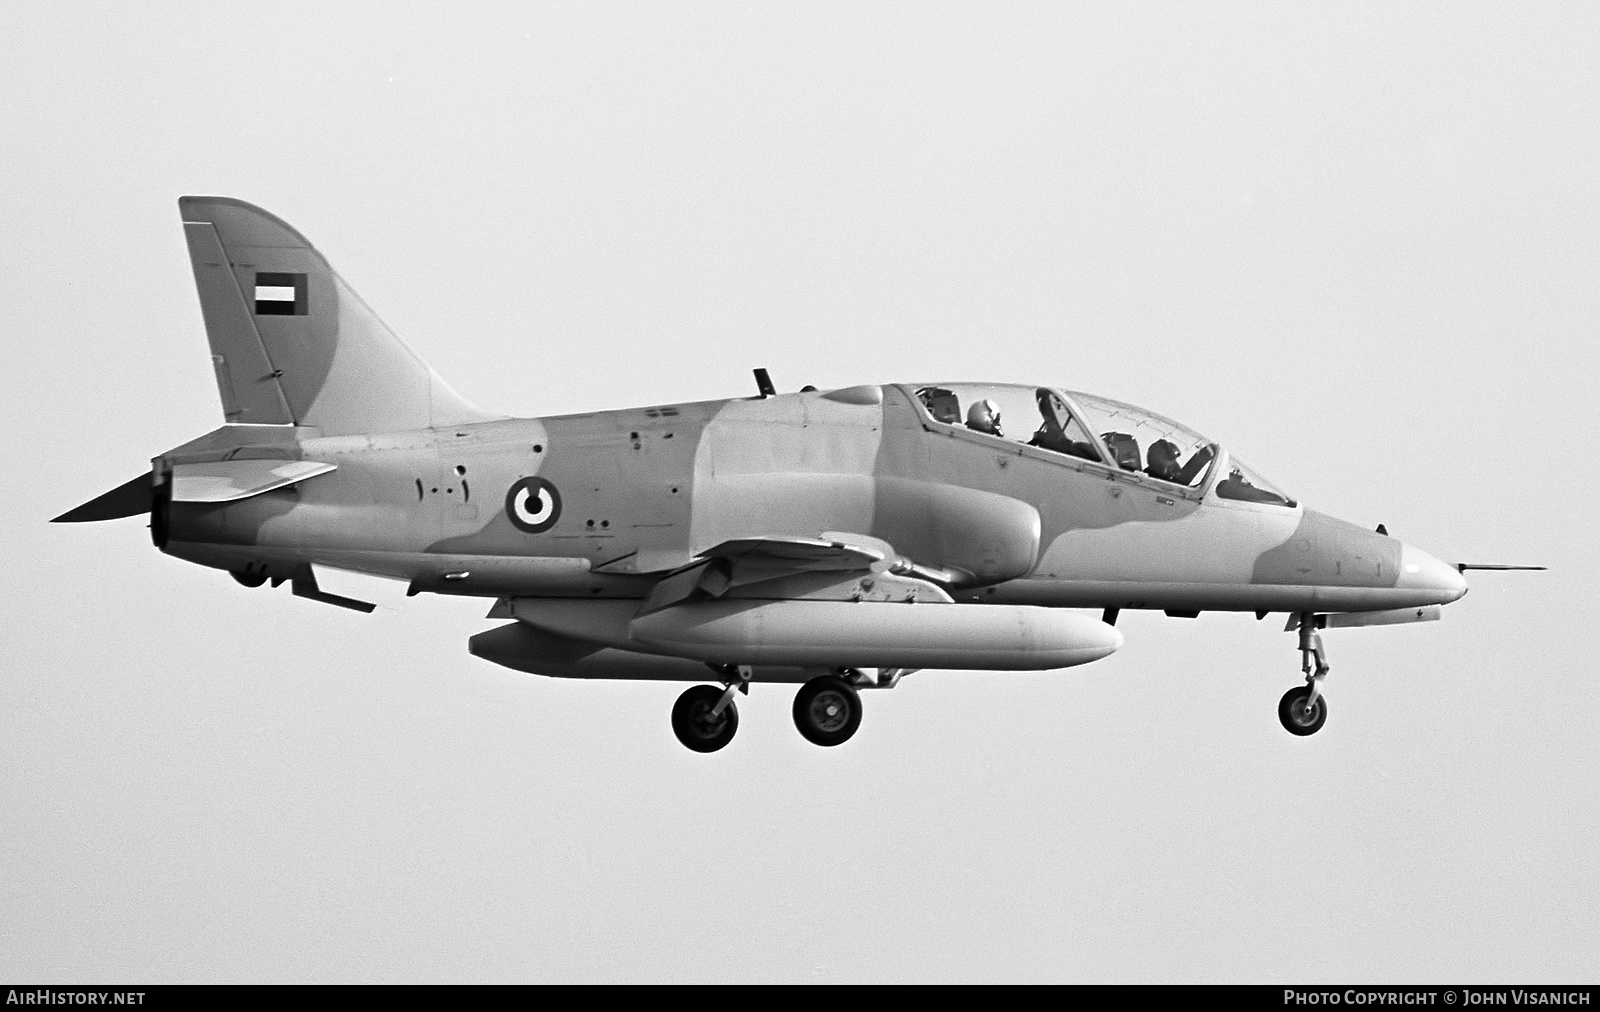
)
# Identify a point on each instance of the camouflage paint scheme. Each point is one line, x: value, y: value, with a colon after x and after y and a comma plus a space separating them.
x: 425, y: 488
x: 645, y: 491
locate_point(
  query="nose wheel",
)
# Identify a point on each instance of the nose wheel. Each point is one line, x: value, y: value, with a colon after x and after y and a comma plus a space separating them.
x: 1300, y: 714
x: 1304, y: 709
x: 827, y: 710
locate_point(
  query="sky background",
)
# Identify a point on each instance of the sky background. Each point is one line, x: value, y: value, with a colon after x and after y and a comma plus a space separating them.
x: 1359, y: 244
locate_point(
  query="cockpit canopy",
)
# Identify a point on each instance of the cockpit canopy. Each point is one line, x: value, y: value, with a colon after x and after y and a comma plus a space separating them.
x: 1096, y: 429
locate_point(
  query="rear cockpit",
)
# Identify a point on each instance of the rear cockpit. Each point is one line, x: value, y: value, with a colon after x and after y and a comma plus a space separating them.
x: 1102, y: 432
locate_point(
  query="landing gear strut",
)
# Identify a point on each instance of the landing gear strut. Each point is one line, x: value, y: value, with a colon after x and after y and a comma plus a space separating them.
x: 700, y: 723
x: 704, y: 718
x: 1304, y: 709
x: 827, y: 710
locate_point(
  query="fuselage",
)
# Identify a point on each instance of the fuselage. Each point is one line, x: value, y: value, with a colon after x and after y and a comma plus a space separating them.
x: 619, y: 498
x: 834, y: 539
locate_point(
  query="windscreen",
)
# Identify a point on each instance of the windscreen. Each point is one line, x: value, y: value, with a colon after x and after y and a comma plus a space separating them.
x: 1143, y: 441
x: 1244, y: 484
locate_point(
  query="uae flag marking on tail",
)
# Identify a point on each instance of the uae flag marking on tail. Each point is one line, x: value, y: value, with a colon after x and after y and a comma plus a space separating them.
x: 280, y: 294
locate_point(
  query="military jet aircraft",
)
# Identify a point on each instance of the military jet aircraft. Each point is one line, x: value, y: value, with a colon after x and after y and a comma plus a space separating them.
x: 835, y: 539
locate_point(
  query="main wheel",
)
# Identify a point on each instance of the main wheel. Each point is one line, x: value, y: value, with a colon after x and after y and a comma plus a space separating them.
x: 1294, y: 715
x: 692, y: 721
x: 247, y: 579
x: 827, y: 710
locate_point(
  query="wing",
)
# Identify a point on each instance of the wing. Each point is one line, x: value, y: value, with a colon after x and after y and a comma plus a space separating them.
x: 834, y: 560
x: 831, y: 552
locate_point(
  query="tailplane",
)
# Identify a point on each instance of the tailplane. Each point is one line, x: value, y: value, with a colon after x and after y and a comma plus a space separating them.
x: 292, y: 343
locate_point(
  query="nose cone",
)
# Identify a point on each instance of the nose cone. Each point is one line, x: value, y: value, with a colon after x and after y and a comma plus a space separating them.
x: 1422, y: 572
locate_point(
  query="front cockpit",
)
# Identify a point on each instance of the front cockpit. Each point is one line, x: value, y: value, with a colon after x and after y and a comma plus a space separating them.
x: 1087, y: 428
x: 1206, y: 532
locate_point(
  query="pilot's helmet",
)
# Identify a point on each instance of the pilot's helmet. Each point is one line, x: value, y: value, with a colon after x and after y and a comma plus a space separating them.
x: 984, y: 416
x: 1163, y: 459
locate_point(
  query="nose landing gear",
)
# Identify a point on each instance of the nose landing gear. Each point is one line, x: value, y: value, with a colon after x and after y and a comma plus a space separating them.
x: 1300, y: 713
x: 1303, y: 709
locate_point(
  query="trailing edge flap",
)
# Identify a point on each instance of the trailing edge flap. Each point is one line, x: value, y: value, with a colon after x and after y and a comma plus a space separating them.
x: 230, y: 480
x: 749, y: 560
x: 126, y: 500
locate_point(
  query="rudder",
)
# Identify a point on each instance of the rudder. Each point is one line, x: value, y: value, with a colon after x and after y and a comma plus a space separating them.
x: 291, y: 341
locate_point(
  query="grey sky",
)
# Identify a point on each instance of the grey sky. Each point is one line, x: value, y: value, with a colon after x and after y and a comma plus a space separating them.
x: 1358, y: 244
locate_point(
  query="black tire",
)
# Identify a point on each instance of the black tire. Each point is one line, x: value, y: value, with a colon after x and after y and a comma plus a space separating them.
x: 827, y: 710
x: 693, y: 724
x: 1292, y: 711
x: 248, y: 579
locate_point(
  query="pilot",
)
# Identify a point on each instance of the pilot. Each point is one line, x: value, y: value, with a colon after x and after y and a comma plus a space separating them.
x: 1163, y: 460
x: 984, y: 416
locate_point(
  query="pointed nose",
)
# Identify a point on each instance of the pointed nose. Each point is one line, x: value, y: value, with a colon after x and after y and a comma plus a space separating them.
x: 1422, y: 572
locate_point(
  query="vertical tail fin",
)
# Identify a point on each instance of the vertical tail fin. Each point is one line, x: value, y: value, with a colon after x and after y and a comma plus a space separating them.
x: 292, y: 343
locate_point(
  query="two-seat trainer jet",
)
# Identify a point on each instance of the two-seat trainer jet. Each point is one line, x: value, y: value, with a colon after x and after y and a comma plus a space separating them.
x: 808, y: 537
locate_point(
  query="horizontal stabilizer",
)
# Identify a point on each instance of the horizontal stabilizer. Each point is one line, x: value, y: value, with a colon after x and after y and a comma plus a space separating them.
x: 1462, y: 567
x: 126, y: 500
x: 230, y: 480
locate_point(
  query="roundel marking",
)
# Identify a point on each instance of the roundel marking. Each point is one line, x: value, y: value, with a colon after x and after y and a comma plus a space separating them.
x: 533, y: 504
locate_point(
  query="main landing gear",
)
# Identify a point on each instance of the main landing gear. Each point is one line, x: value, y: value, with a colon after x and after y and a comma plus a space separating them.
x: 705, y: 718
x: 827, y: 709
x: 1304, y: 709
